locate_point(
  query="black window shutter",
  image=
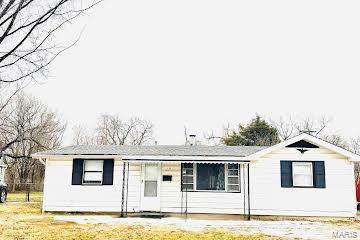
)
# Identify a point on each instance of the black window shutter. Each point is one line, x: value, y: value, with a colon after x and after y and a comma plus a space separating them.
x: 319, y: 174
x: 77, y: 171
x: 108, y: 172
x: 286, y: 173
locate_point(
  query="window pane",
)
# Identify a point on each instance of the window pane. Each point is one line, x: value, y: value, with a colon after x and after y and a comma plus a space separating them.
x: 302, y: 168
x: 233, y: 180
x: 93, y: 165
x: 188, y: 165
x: 187, y: 179
x: 233, y: 173
x: 303, y: 180
x: 150, y: 189
x: 188, y: 187
x: 233, y: 188
x: 93, y: 177
x: 233, y: 166
x: 151, y: 172
x: 210, y: 176
x: 187, y: 171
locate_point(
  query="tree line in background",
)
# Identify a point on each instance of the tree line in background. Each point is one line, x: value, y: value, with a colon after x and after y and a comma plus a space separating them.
x: 259, y: 132
x: 28, y: 126
x: 112, y: 130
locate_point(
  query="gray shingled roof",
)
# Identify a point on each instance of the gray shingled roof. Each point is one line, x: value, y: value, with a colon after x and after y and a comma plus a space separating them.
x: 158, y: 150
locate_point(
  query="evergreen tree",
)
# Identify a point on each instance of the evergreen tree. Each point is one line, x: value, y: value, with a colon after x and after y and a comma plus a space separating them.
x: 257, y: 133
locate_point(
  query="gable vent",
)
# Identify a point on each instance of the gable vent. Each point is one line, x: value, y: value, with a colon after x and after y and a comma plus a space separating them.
x: 302, y: 146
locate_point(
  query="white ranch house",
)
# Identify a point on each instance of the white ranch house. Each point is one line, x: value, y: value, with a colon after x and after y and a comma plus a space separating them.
x: 303, y: 176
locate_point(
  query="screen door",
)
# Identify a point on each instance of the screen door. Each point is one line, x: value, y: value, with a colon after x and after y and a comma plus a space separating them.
x: 150, y: 187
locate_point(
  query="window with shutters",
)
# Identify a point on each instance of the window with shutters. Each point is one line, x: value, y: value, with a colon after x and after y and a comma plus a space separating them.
x: 302, y: 174
x: 93, y: 171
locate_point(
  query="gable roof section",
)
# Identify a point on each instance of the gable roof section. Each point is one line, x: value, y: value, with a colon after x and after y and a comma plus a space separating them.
x: 154, y: 150
x: 170, y: 151
x: 311, y: 139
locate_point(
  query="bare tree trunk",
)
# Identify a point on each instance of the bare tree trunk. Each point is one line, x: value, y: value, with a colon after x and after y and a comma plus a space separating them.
x: 14, y: 182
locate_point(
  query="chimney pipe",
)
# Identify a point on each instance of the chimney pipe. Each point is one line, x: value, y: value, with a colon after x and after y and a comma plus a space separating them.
x: 192, y: 139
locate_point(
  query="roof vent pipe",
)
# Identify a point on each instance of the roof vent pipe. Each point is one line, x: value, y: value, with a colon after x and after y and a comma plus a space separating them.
x: 192, y: 139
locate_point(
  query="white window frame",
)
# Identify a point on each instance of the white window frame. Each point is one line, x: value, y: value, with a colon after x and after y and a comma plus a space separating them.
x: 311, y: 171
x: 194, y: 179
x: 227, y: 178
x: 84, y: 172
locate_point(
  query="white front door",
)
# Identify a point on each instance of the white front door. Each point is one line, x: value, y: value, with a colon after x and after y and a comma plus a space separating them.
x: 150, y: 187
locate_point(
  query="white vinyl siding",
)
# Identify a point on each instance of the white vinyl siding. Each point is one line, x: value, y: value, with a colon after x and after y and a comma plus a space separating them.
x: 269, y: 198
x: 302, y: 174
x: 60, y: 195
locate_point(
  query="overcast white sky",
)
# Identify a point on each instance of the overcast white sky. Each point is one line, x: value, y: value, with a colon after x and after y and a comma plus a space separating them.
x: 205, y: 63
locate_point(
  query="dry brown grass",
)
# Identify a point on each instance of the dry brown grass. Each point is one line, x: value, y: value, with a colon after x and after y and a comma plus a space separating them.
x: 22, y: 197
x: 10, y: 209
x: 336, y: 221
x: 48, y: 229
x: 25, y: 221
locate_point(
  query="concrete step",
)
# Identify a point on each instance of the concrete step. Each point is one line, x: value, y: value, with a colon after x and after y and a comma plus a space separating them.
x: 146, y: 214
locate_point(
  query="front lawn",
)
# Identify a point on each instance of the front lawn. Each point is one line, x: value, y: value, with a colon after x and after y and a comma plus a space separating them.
x: 25, y: 221
x: 22, y: 197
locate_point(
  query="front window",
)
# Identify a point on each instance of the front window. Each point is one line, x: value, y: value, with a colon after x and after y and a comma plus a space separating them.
x: 302, y: 174
x: 93, y: 171
x: 210, y: 177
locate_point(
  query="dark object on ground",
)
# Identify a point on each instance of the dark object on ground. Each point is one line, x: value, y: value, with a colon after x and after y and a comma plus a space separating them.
x: 3, y: 194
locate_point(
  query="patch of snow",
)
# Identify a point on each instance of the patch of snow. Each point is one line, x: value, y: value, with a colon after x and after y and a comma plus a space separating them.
x: 288, y: 229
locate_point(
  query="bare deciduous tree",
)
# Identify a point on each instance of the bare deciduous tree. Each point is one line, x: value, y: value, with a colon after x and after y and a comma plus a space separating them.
x: 286, y: 127
x: 214, y: 139
x: 355, y: 148
x: 312, y: 126
x: 111, y: 130
x: 29, y: 41
x: 82, y: 136
x: 28, y: 128
x: 27, y: 38
x: 336, y: 139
